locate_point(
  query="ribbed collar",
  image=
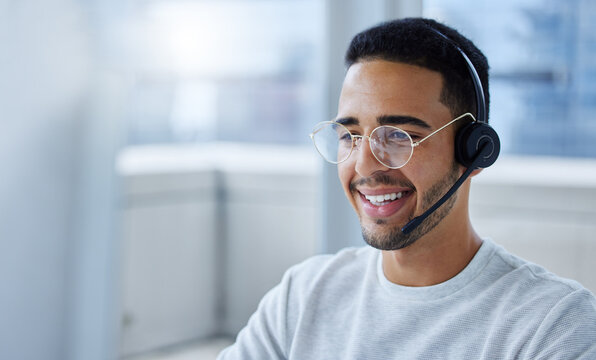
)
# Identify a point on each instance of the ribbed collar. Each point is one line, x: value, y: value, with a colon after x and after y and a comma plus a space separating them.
x: 444, y: 289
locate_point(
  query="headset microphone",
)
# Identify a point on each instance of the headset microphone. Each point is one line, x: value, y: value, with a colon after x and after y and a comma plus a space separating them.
x: 477, y: 144
x: 485, y: 151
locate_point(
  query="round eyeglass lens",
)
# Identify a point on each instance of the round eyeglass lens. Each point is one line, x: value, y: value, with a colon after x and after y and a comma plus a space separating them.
x: 333, y: 141
x: 391, y: 146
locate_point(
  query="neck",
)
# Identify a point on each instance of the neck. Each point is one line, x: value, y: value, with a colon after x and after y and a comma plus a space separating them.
x: 436, y: 257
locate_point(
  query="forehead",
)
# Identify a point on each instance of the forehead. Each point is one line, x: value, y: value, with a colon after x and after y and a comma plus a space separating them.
x: 377, y: 88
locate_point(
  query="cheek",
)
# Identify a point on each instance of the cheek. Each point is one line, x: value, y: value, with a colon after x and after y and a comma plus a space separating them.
x: 440, y: 150
x: 345, y: 173
x: 430, y: 164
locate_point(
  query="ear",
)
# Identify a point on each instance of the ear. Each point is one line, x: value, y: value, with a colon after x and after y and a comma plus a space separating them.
x: 476, y: 172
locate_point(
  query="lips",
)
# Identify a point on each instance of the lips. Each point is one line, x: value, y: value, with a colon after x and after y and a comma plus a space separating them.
x: 383, y: 203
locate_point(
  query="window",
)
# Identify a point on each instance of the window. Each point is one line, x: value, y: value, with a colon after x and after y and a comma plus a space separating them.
x: 226, y: 71
x: 542, y: 55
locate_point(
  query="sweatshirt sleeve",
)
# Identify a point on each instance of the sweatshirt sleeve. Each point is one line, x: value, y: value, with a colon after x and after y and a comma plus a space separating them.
x: 568, y: 331
x: 265, y: 335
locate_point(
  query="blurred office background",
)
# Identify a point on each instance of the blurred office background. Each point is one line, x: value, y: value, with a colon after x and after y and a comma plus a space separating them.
x: 156, y: 176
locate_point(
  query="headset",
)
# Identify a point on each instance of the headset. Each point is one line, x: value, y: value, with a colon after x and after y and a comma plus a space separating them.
x: 477, y: 144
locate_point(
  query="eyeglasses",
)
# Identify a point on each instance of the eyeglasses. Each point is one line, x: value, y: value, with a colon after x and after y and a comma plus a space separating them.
x: 390, y: 145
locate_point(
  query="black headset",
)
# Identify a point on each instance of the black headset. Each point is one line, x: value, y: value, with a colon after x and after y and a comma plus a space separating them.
x: 473, y: 137
x: 477, y: 144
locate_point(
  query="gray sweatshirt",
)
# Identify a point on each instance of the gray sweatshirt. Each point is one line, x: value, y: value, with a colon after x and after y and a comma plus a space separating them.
x: 343, y: 307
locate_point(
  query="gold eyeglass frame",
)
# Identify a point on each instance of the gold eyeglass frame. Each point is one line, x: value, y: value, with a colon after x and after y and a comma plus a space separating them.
x: 413, y: 144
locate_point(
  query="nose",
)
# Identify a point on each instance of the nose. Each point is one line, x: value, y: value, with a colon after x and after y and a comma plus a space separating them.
x: 366, y: 162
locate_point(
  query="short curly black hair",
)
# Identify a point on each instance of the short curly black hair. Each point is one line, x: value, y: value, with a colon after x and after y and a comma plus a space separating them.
x: 413, y: 41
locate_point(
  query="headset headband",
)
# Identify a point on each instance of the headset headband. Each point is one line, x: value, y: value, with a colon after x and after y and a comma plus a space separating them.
x: 480, y: 101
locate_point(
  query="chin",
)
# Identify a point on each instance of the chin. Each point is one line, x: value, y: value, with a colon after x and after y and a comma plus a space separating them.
x: 380, y: 234
x: 389, y: 237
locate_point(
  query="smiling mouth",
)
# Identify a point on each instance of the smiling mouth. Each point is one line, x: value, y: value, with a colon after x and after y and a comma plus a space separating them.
x: 384, y: 205
x: 384, y: 199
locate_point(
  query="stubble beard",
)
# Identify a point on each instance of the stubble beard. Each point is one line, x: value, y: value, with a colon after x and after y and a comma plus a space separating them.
x: 395, y: 239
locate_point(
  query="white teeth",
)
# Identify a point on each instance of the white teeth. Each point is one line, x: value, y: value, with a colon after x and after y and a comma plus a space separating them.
x: 381, y: 199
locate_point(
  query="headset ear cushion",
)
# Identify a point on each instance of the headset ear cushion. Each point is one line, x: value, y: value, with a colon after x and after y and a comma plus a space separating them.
x: 471, y: 138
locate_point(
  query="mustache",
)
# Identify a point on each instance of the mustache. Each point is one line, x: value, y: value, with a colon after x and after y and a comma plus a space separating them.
x: 381, y: 179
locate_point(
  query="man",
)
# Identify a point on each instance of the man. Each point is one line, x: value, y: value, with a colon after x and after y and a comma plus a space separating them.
x: 435, y: 289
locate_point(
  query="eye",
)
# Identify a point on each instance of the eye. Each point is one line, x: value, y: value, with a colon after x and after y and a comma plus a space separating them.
x: 345, y: 136
x: 342, y: 134
x: 396, y: 135
x: 413, y: 135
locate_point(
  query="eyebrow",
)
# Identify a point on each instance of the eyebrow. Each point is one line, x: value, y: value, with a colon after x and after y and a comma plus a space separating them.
x: 388, y: 120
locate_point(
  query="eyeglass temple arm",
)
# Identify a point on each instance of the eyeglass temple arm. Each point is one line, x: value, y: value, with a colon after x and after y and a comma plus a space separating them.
x: 444, y: 126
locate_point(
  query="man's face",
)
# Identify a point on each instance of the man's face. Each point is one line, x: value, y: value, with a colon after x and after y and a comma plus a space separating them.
x: 377, y: 93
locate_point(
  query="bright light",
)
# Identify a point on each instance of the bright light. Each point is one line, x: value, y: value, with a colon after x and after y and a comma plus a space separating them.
x: 214, y: 38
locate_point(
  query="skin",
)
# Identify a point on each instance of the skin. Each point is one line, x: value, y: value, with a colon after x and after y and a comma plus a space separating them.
x: 376, y: 88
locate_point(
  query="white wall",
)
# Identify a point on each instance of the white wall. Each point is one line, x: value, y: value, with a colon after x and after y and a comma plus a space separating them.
x: 542, y: 209
x: 169, y: 259
x: 208, y: 230
x: 271, y: 224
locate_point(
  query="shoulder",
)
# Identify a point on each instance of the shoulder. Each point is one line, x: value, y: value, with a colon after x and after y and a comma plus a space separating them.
x: 531, y: 279
x: 560, y: 313
x: 568, y: 328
